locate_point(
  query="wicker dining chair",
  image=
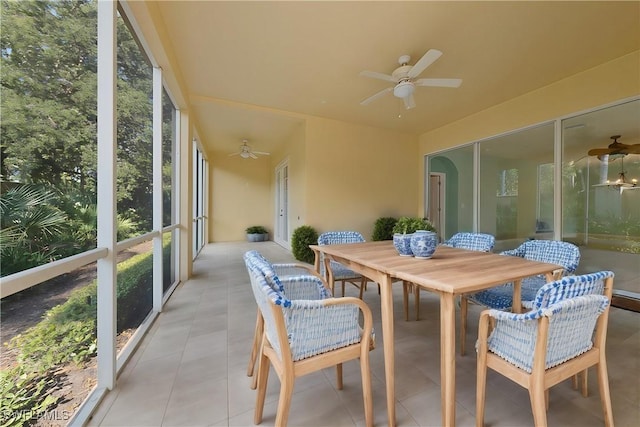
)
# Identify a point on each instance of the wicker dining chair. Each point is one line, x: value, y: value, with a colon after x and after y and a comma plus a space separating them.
x: 293, y: 280
x: 465, y: 240
x: 304, y: 336
x: 565, y: 254
x: 564, y: 334
x: 336, y: 271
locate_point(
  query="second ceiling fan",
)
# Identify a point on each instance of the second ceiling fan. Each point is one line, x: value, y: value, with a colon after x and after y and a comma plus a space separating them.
x: 405, y: 79
x: 247, y: 153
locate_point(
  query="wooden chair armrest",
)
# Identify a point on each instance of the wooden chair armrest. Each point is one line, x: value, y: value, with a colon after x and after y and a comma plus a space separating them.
x: 484, y: 327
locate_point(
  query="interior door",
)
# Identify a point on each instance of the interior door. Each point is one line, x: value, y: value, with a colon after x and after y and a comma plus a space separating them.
x: 281, y: 234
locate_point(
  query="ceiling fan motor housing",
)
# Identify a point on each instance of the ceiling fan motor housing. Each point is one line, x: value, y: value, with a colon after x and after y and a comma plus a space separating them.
x: 401, y: 72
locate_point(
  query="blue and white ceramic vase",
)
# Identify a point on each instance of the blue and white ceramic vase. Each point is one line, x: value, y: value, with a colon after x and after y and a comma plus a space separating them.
x: 402, y: 243
x: 423, y: 244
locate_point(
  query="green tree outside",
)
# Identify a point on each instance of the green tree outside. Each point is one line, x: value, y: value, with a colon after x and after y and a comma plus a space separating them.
x: 49, y: 119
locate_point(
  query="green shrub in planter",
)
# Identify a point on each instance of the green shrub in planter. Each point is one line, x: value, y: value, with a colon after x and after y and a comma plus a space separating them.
x: 301, y: 238
x: 408, y: 225
x: 383, y: 229
x: 256, y: 229
x: 257, y: 233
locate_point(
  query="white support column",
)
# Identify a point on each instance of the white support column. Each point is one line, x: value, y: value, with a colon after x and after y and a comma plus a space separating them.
x: 476, y: 187
x: 106, y: 203
x: 205, y: 201
x: 195, y: 184
x: 177, y: 191
x: 557, y: 180
x: 186, y: 196
x: 157, y: 189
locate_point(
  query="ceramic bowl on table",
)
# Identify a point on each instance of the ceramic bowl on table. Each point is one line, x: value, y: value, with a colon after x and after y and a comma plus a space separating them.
x: 423, y: 244
x: 402, y: 243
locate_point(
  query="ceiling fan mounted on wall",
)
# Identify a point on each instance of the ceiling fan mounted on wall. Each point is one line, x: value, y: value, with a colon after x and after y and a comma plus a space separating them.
x: 405, y: 79
x: 616, y: 148
x: 246, y: 152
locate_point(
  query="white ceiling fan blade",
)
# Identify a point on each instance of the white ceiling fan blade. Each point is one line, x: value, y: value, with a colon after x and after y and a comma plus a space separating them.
x: 235, y: 154
x: 253, y: 156
x: 409, y: 102
x: 439, y: 82
x: 426, y: 60
x: 376, y: 75
x: 376, y: 96
x: 261, y: 153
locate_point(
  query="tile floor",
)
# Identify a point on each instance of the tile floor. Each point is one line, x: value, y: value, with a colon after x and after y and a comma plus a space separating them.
x: 190, y: 370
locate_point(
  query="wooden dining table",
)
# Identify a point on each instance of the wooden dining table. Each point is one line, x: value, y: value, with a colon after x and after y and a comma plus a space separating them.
x: 450, y: 272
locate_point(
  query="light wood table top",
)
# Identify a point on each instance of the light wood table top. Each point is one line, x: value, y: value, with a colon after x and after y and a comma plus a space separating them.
x: 449, y: 272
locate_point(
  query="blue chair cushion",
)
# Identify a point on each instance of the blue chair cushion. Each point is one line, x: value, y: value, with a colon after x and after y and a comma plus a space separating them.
x: 501, y: 297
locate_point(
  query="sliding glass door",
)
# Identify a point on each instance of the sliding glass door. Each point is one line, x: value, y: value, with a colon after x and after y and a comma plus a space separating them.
x: 595, y: 204
x: 601, y: 204
x: 516, y: 186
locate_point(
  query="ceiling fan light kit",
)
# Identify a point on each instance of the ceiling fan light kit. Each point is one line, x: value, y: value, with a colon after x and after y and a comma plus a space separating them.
x: 404, y: 89
x: 404, y: 78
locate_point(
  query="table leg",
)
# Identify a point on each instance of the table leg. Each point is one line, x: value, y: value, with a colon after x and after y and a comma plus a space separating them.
x: 316, y: 260
x: 516, y: 304
x: 386, y: 308
x: 448, y: 359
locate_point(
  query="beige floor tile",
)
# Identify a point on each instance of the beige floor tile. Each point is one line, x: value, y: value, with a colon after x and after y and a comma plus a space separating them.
x: 139, y: 403
x: 190, y: 369
x: 197, y: 403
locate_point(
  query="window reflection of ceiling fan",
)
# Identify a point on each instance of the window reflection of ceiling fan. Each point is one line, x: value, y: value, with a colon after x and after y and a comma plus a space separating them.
x: 246, y: 151
x: 615, y: 148
x: 404, y: 78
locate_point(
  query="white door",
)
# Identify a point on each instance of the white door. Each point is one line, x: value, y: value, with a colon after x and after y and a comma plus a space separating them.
x: 281, y: 234
x: 437, y: 193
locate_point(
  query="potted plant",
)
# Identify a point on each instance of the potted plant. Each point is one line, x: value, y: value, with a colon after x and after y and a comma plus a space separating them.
x: 404, y: 229
x: 383, y: 229
x: 301, y: 238
x: 257, y: 233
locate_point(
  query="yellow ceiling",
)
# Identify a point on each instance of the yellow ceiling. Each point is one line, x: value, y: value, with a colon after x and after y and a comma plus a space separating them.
x: 255, y: 69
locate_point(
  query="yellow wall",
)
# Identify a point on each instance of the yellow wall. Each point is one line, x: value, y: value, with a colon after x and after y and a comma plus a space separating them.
x: 239, y: 196
x: 609, y: 82
x: 356, y: 174
x: 341, y: 176
x: 243, y: 190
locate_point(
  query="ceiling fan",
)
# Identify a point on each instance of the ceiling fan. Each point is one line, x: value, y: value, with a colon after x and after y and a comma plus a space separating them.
x: 615, y: 148
x: 405, y: 78
x: 246, y: 151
